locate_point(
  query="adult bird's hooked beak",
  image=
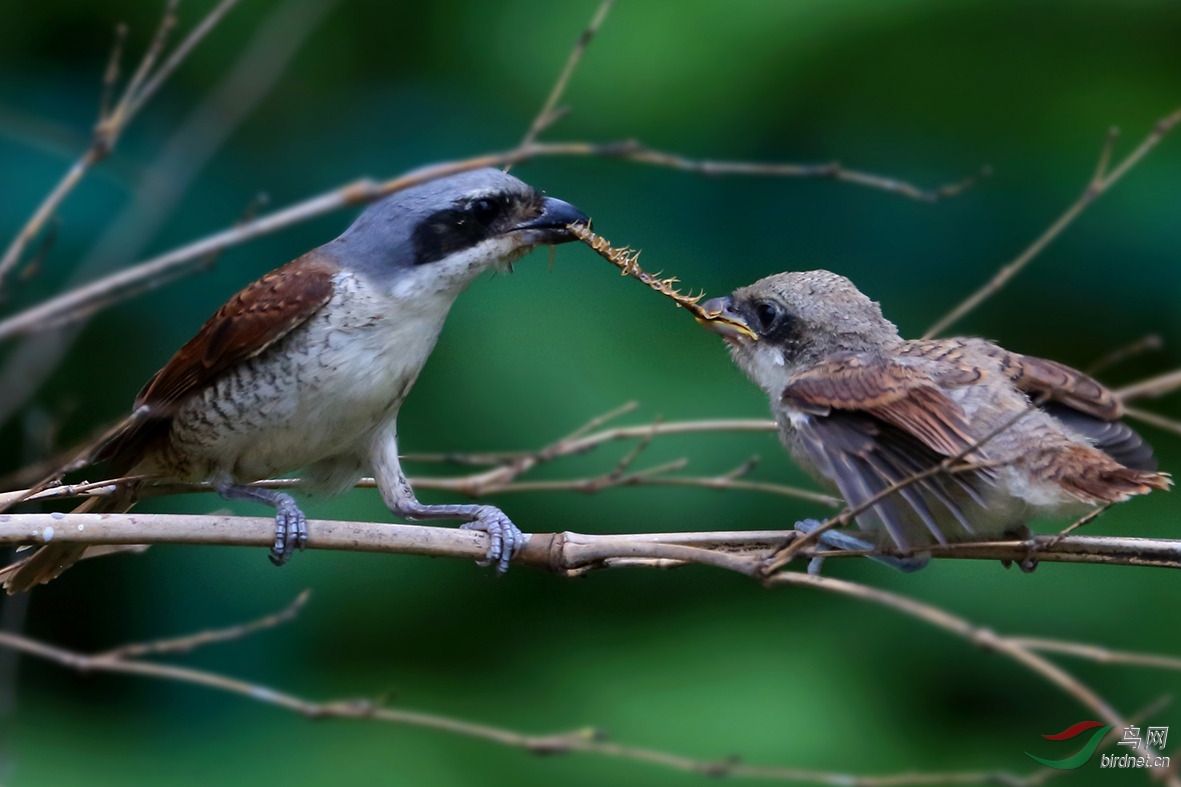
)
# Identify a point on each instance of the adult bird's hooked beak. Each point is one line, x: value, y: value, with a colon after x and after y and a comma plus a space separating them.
x: 550, y: 226
x: 724, y: 320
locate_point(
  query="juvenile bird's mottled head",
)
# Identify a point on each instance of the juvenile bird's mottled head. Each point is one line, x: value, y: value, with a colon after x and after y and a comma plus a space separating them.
x: 442, y: 234
x: 796, y: 318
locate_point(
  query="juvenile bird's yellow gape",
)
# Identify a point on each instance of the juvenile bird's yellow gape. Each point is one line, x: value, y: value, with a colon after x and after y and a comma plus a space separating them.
x: 862, y: 409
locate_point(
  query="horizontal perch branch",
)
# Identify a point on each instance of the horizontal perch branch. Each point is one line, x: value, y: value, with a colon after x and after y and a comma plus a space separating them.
x: 562, y: 553
x: 569, y: 554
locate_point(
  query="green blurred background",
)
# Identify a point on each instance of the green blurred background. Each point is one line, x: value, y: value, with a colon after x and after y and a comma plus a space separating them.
x: 695, y: 661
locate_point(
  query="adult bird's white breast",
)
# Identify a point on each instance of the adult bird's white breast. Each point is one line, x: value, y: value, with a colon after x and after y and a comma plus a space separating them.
x: 318, y: 393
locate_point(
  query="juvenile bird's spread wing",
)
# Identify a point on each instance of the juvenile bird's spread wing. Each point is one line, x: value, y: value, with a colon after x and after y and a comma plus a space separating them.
x: 1114, y: 438
x: 869, y: 422
x: 1110, y: 466
x: 250, y: 322
x: 1081, y: 403
x: 1059, y: 383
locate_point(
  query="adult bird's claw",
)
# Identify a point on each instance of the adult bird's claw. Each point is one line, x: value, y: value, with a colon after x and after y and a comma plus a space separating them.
x: 505, y: 537
x: 291, y: 529
x: 836, y: 539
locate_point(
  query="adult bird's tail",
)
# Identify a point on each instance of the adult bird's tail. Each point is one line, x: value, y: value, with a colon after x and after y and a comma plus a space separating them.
x: 48, y: 562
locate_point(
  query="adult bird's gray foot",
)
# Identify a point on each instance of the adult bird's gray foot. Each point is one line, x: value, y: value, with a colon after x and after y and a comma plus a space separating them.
x: 291, y: 526
x: 504, y: 538
x: 933, y: 441
x: 307, y: 368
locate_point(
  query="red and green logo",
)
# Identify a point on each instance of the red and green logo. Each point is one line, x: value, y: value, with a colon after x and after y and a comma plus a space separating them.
x: 1082, y: 755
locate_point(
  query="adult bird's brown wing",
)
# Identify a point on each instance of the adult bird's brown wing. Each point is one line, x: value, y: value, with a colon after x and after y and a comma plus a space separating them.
x: 250, y: 322
x: 869, y: 423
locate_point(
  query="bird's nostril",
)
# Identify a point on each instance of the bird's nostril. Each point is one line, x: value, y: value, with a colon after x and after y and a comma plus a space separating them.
x: 718, y: 306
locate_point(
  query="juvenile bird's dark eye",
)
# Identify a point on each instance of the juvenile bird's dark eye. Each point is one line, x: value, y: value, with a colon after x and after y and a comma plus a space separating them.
x: 485, y: 211
x: 767, y: 313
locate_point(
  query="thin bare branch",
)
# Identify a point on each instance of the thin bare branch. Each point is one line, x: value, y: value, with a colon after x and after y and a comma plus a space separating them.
x: 1098, y: 654
x: 111, y: 75
x: 477, y: 485
x: 44, y: 212
x: 587, y: 442
x: 178, y: 56
x: 1151, y: 388
x: 111, y: 126
x: 981, y: 637
x: 1159, y: 421
x: 1149, y: 343
x: 48, y: 238
x: 567, y: 554
x: 125, y: 660
x: 507, y: 467
x: 599, y: 420
x: 502, y: 477
x: 548, y: 113
x: 110, y: 289
x: 1099, y: 183
x: 1083, y: 521
x: 191, y: 642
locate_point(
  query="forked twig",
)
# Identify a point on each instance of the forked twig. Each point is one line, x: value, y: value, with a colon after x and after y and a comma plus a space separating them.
x: 129, y: 660
x: 113, y: 121
x: 1100, y: 182
x: 548, y: 112
x: 113, y: 288
x: 566, y: 554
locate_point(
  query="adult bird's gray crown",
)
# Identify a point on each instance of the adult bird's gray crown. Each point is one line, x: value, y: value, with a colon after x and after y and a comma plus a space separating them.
x: 306, y: 368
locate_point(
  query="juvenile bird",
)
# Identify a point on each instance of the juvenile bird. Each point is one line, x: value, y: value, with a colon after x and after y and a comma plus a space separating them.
x: 860, y: 408
x: 306, y: 368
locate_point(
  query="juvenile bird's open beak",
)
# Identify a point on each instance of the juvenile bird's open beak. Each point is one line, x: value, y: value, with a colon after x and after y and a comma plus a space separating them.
x: 551, y: 226
x: 724, y: 321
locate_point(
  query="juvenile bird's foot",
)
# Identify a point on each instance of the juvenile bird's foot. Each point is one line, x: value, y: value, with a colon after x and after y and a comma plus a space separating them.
x: 291, y: 526
x: 1021, y: 532
x: 836, y: 539
x: 506, y: 537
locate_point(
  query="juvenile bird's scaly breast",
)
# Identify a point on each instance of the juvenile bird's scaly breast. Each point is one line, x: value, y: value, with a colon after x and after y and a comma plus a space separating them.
x: 319, y: 392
